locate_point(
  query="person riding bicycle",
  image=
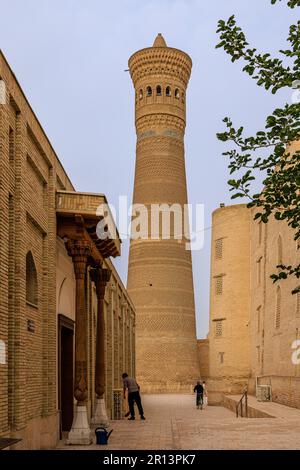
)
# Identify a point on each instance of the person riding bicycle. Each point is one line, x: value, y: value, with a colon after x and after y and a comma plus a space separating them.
x: 199, y: 395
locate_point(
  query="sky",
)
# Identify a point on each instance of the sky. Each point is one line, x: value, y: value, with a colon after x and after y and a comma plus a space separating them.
x: 70, y: 58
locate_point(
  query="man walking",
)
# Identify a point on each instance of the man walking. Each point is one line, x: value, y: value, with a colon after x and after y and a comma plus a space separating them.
x: 133, y: 388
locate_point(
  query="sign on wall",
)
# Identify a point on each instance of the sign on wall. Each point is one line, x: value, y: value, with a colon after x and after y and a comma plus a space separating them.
x: 2, y: 352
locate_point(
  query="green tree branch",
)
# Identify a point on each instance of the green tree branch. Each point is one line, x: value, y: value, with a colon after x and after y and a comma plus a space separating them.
x: 280, y: 196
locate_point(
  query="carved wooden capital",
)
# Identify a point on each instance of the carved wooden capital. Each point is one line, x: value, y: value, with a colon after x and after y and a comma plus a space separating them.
x: 80, y: 250
x: 100, y: 277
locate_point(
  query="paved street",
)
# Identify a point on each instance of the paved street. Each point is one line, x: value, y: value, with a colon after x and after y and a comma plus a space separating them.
x: 173, y: 422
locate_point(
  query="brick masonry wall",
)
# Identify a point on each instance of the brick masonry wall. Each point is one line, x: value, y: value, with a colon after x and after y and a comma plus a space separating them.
x: 4, y: 263
x: 229, y: 333
x: 30, y: 173
x: 203, y: 353
x: 160, y: 280
x: 274, y: 313
x: 120, y: 335
x: 271, y: 338
x: 285, y: 390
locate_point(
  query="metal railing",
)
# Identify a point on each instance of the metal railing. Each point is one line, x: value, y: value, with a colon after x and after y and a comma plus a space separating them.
x: 242, y: 405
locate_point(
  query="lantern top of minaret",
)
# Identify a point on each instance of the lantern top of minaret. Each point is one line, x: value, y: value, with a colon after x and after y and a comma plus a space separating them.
x: 159, y: 41
x: 160, y: 59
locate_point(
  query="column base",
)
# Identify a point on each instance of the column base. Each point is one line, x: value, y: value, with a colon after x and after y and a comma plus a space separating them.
x: 100, y: 417
x: 80, y: 433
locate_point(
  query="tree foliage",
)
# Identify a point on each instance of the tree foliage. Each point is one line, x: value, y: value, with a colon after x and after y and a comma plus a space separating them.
x: 270, y: 150
x: 290, y: 3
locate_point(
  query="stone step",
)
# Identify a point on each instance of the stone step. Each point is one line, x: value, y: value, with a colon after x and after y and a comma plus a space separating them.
x: 257, y: 409
x: 230, y: 402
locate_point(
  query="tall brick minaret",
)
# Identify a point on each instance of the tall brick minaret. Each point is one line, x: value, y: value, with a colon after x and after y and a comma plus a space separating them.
x: 160, y: 279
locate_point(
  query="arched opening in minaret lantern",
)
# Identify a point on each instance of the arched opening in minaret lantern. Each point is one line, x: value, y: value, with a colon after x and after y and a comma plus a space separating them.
x: 177, y: 93
x: 149, y: 91
x: 141, y: 94
x: 168, y: 91
x: 158, y: 90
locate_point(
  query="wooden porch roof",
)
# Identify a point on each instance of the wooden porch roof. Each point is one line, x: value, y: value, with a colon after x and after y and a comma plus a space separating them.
x: 78, y: 215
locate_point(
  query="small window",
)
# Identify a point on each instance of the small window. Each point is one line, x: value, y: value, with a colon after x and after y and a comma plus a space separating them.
x: 259, y: 263
x: 258, y: 318
x: 278, y: 308
x: 260, y: 227
x: 279, y: 250
x: 221, y: 356
x: 168, y: 91
x: 258, y: 354
x: 141, y: 94
x: 158, y: 90
x: 219, y: 248
x: 31, y: 280
x: 177, y: 94
x: 149, y: 91
x: 219, y: 285
x: 11, y: 144
x: 218, y: 329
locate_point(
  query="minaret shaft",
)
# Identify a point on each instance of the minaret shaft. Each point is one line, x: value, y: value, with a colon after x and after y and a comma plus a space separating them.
x: 160, y: 279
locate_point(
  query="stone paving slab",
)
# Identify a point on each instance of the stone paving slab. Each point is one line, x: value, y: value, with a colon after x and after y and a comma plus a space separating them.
x: 173, y: 422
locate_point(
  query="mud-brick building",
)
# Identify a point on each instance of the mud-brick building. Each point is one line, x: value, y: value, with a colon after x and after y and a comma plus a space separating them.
x: 253, y: 339
x: 67, y: 324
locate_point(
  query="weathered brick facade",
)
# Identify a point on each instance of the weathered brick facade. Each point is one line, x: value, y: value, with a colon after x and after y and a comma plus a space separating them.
x: 229, y: 301
x: 160, y: 279
x: 253, y: 322
x: 30, y: 175
x: 203, y: 354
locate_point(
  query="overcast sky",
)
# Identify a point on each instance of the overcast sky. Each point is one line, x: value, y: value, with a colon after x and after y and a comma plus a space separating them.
x: 70, y: 55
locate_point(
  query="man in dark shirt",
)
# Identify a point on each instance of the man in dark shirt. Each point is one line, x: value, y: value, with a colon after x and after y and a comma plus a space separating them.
x: 199, y: 395
x: 133, y: 395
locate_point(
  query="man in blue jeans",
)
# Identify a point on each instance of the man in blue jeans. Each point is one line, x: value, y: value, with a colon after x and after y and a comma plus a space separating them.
x: 133, y: 388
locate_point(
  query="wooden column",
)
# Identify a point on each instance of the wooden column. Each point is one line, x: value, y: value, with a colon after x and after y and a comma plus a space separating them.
x: 80, y: 250
x: 100, y: 277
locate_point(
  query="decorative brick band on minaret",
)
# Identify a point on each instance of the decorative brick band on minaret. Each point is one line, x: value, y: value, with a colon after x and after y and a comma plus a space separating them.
x: 160, y: 279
